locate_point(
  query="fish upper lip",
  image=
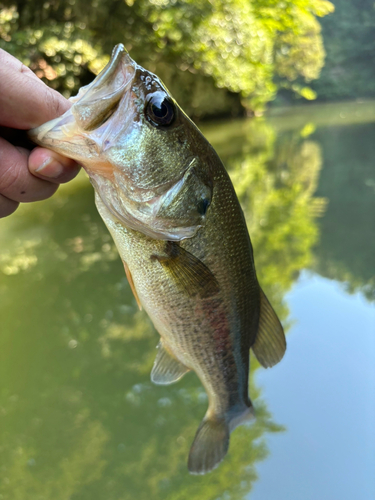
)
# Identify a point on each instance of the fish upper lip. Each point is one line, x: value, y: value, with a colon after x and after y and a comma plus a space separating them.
x: 119, y: 55
x: 114, y: 80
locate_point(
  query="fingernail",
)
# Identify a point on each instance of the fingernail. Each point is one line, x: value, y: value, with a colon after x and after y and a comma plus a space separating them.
x: 50, y: 168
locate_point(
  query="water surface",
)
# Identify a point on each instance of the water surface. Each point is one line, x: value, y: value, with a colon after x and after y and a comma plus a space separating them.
x: 79, y: 417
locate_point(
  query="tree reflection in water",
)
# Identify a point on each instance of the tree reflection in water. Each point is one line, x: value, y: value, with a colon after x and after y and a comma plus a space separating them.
x: 79, y: 416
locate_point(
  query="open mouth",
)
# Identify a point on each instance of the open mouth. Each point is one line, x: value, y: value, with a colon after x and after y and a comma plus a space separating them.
x: 86, y: 123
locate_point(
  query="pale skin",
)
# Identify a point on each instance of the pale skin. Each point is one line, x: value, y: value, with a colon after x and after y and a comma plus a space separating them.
x: 25, y: 103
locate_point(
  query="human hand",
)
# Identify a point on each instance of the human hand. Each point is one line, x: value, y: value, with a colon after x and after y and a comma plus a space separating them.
x: 25, y: 103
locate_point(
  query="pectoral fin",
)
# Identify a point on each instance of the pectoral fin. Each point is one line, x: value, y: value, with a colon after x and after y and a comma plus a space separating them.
x: 187, y: 271
x: 131, y: 283
x: 167, y: 369
x: 269, y: 346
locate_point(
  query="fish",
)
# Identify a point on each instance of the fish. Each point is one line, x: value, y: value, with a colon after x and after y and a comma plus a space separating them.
x: 171, y: 208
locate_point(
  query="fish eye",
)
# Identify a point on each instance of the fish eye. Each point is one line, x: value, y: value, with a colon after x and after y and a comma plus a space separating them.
x: 160, y: 110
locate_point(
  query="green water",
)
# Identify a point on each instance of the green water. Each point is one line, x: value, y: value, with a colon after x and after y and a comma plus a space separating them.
x: 79, y: 417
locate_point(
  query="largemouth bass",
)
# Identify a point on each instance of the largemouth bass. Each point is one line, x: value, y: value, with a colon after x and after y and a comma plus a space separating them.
x: 172, y: 211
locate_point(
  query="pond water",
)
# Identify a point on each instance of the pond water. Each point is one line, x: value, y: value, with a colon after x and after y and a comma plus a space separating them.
x: 79, y: 417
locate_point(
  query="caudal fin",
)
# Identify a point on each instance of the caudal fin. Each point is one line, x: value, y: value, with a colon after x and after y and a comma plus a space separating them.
x: 209, y: 447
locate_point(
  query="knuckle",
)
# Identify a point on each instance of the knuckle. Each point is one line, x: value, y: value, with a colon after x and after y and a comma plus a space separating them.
x: 4, y: 56
x: 25, y: 69
x: 7, y: 207
x: 54, y: 103
x: 49, y: 190
x: 10, y: 175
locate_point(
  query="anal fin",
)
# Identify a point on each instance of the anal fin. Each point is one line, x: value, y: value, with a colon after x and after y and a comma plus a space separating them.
x: 270, y: 344
x: 131, y: 283
x: 167, y: 369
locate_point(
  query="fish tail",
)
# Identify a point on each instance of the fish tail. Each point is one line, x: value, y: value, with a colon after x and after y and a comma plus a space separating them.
x: 211, y: 441
x: 210, y: 445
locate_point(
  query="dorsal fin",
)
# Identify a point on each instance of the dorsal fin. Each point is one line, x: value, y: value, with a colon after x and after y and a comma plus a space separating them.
x: 167, y: 369
x: 269, y: 346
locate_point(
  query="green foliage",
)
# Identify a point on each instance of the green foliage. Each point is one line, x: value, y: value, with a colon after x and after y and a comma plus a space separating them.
x: 298, y: 45
x: 349, y: 39
x: 249, y: 49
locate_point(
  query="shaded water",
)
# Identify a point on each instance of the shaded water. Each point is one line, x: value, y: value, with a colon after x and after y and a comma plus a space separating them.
x: 79, y: 417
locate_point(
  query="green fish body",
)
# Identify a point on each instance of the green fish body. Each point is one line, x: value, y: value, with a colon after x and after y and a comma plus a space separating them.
x: 172, y: 211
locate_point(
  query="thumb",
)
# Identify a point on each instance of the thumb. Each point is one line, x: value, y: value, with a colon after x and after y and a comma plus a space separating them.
x: 25, y: 101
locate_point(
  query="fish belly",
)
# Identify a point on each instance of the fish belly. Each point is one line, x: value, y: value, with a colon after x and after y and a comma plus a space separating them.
x: 197, y: 331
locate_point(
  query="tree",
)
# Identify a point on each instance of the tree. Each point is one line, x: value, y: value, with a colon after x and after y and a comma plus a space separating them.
x: 349, y: 38
x: 249, y: 49
x: 347, y: 247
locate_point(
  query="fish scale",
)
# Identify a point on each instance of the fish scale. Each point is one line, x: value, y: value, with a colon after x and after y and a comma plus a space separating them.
x: 172, y: 211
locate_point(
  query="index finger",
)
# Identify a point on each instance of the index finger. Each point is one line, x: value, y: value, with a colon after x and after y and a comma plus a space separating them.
x: 25, y: 101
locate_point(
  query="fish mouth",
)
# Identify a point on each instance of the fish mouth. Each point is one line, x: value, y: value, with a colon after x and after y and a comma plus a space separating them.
x: 83, y: 131
x: 96, y: 131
